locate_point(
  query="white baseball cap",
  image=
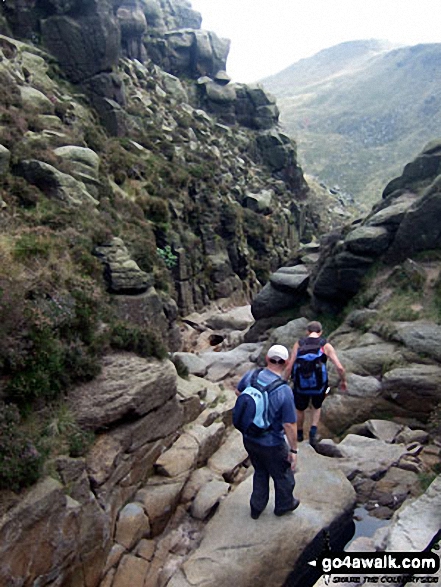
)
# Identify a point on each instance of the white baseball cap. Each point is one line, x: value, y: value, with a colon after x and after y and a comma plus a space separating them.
x: 278, y: 351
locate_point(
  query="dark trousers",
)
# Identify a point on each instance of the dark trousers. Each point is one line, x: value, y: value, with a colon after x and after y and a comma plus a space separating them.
x: 270, y: 461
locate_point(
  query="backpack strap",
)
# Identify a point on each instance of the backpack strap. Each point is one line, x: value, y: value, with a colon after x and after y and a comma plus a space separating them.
x: 254, y: 378
x: 265, y: 388
x: 275, y: 384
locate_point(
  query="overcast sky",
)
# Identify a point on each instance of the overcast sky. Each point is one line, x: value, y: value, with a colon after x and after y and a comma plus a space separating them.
x: 269, y: 35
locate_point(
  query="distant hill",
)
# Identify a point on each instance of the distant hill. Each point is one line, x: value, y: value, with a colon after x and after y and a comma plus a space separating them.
x: 360, y: 110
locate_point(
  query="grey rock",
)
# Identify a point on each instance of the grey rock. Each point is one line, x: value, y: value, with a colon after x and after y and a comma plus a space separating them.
x: 272, y: 300
x: 55, y: 184
x: 35, y: 101
x: 418, y: 230
x: 294, y: 278
x: 286, y: 335
x: 128, y: 387
x: 328, y: 448
x: 421, y: 337
x: 340, y: 411
x: 363, y: 387
x: 84, y: 156
x: 5, y: 159
x: 383, y: 430
x: 231, y: 534
x: 226, y: 461
x: 85, y: 45
x: 82, y: 532
x: 208, y: 438
x: 368, y: 240
x: 220, y: 94
x: 194, y: 364
x: 276, y: 149
x: 368, y: 457
x: 132, y: 525
x: 261, y: 202
x: 150, y: 309
x: 187, y: 51
x: 133, y: 25
x: 224, y: 363
x: 408, y: 436
x: 341, y: 276
x: 180, y: 458
x: 198, y: 478
x: 393, y: 213
x: 373, y: 359
x: 423, y: 167
x: 255, y: 107
x: 208, y: 497
x: 159, y: 498
x: 121, y: 272
x: 415, y: 388
x: 239, y: 318
x: 415, y: 524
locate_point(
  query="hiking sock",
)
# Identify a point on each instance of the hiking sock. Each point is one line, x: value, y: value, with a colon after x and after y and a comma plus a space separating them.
x: 299, y: 435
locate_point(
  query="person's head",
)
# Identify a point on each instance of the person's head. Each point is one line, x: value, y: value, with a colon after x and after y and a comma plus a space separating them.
x: 314, y: 327
x: 276, y: 357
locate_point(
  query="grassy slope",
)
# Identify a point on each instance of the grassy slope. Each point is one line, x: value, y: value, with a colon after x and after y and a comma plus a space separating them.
x: 359, y: 112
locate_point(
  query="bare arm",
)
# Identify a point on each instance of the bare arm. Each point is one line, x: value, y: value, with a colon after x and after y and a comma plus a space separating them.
x: 332, y: 355
x: 291, y: 434
x: 290, y: 361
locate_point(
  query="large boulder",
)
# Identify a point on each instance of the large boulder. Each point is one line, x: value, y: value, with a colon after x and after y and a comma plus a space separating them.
x: 55, y: 184
x: 341, y: 276
x: 122, y: 273
x: 416, y: 524
x: 419, y: 230
x: 50, y: 534
x: 368, y: 240
x: 189, y: 52
x: 391, y: 212
x: 128, y: 387
x: 255, y: 107
x: 421, y: 337
x: 415, y: 388
x: 133, y: 25
x: 285, y: 290
x: 239, y: 549
x: 85, y: 40
x: 424, y: 167
x: 368, y: 457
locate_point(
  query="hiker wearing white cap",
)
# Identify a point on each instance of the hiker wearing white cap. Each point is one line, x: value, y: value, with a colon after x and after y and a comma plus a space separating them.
x: 264, y: 424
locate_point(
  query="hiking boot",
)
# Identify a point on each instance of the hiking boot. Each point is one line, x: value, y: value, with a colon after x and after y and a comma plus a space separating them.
x: 255, y: 513
x: 299, y: 435
x: 295, y: 505
x: 313, y: 439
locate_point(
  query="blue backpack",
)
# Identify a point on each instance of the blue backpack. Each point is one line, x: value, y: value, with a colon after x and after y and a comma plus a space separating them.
x: 251, y: 412
x: 309, y: 371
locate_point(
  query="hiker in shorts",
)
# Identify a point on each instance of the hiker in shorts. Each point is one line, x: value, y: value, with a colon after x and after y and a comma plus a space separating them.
x: 270, y: 454
x: 308, y: 368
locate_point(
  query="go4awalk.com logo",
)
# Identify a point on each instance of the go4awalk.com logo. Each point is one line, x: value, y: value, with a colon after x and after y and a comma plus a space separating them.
x: 379, y: 563
x: 399, y: 568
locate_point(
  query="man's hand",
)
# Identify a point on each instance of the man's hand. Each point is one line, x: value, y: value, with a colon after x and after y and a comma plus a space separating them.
x: 292, y: 458
x: 343, y: 386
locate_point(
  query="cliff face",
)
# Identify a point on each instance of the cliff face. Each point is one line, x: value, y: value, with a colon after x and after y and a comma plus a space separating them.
x: 137, y: 183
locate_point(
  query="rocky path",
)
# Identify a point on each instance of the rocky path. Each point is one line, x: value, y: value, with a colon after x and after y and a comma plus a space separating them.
x: 162, y: 499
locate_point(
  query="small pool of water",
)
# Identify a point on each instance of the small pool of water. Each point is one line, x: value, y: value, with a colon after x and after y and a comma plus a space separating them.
x: 365, y: 524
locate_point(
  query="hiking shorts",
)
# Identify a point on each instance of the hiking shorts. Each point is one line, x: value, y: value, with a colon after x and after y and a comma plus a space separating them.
x: 302, y: 400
